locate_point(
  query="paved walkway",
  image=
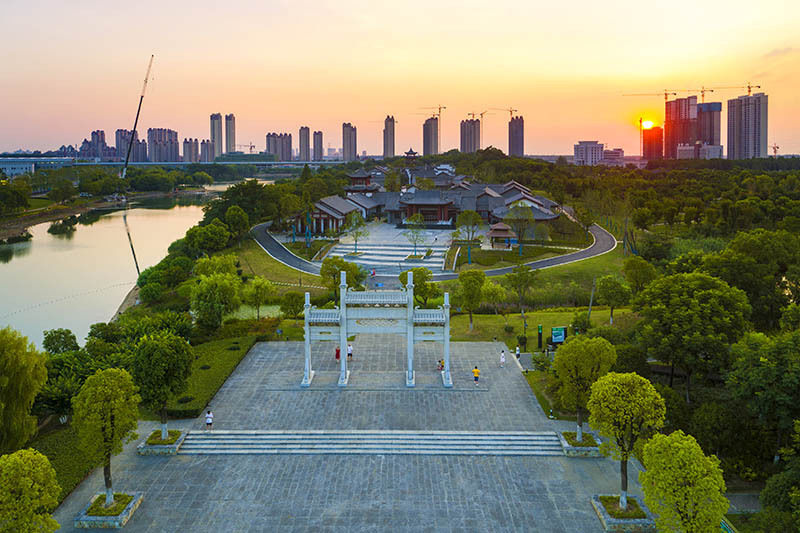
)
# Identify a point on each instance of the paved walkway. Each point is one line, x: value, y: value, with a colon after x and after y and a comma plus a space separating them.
x: 203, y: 493
x: 604, y: 242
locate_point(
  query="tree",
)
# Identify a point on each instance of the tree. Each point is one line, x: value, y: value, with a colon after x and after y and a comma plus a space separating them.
x: 424, y: 184
x: 216, y: 264
x: 790, y: 318
x: 28, y: 493
x: 291, y: 206
x: 415, y: 230
x: 212, y: 297
x: 22, y: 374
x: 682, y: 486
x: 642, y: 218
x: 392, y: 183
x: 424, y: 288
x: 520, y: 218
x: 689, y: 320
x: 495, y: 294
x: 315, y: 189
x: 638, y: 273
x: 520, y: 280
x: 469, y: 223
x: 62, y: 191
x: 613, y: 293
x: 578, y: 364
x: 207, y: 239
x: 257, y: 292
x: 766, y: 378
x: 471, y: 291
x: 162, y: 363
x: 105, y: 417
x: 329, y: 272
x: 237, y: 221
x: 356, y: 227
x: 151, y: 292
x: 59, y: 341
x: 624, y: 408
x: 292, y: 304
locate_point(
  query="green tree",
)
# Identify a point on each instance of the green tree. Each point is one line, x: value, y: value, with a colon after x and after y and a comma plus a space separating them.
x: 237, y: 221
x: 212, y: 297
x: 520, y: 218
x: 790, y: 318
x: 638, y: 273
x: 207, y: 239
x: 469, y: 223
x: 578, y: 364
x: 216, y: 264
x: 59, y: 340
x: 689, y: 320
x: 415, y: 230
x: 424, y: 288
x: 766, y: 378
x: 424, y: 184
x: 392, y: 183
x: 62, y: 191
x: 292, y: 304
x: 356, y: 227
x: 22, y: 374
x: 162, y: 364
x: 495, y: 294
x: 642, y: 218
x: 329, y: 272
x: 613, y: 293
x: 105, y: 414
x: 470, y: 293
x: 520, y: 280
x: 28, y: 493
x: 624, y: 408
x: 151, y: 292
x: 315, y: 189
x: 257, y: 292
x: 682, y: 486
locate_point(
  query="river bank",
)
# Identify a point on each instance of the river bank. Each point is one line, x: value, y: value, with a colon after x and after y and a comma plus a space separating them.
x: 18, y: 226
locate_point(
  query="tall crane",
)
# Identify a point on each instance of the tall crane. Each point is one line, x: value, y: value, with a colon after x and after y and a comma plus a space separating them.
x: 136, y: 120
x: 702, y: 90
x: 749, y: 88
x: 667, y: 93
x: 775, y: 149
x: 438, y: 116
x: 510, y: 110
x: 250, y: 146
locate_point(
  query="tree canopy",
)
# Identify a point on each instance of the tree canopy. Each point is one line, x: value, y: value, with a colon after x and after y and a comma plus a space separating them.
x: 329, y: 272
x: 612, y: 292
x: 471, y: 291
x: 257, y: 292
x: 28, y: 493
x: 212, y: 297
x: 424, y: 288
x: 59, y: 340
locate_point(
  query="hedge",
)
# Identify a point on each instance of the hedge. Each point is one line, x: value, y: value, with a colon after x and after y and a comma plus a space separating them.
x: 63, y: 449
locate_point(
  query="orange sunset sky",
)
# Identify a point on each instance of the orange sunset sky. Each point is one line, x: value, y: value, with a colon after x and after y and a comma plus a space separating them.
x: 71, y: 67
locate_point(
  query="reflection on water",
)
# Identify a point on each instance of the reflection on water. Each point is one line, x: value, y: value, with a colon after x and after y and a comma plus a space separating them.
x: 74, y: 280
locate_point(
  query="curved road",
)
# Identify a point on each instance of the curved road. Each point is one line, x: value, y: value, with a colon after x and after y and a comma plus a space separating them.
x: 603, y: 243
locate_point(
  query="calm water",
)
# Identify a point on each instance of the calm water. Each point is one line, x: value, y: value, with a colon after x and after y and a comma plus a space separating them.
x: 73, y: 281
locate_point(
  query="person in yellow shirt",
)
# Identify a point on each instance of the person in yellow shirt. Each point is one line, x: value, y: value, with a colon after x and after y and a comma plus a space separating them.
x: 476, y: 374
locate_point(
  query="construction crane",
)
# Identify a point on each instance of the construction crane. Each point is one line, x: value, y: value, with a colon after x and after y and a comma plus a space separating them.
x: 667, y: 93
x: 702, y: 90
x: 251, y: 147
x: 749, y: 87
x: 136, y: 120
x: 510, y: 110
x: 775, y: 149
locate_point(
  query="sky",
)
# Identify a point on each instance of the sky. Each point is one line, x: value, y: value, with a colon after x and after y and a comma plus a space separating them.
x: 72, y: 67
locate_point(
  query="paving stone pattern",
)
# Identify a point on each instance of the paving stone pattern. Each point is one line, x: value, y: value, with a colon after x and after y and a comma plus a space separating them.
x: 212, y: 493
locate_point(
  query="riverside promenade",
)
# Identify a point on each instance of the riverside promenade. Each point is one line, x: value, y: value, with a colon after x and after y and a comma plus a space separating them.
x: 424, y: 490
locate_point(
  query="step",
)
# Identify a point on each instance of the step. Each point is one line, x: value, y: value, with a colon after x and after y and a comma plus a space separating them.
x: 371, y: 442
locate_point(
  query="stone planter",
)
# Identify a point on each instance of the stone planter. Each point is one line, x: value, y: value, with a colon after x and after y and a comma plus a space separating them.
x: 637, y: 525
x: 84, y: 521
x: 580, y: 451
x: 161, y: 449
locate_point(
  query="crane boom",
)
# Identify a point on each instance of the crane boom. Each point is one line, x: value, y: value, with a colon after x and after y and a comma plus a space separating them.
x: 136, y: 120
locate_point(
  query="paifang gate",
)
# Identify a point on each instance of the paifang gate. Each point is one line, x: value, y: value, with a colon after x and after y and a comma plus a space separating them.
x: 377, y: 312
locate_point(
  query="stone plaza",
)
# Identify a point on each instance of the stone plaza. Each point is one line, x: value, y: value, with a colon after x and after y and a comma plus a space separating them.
x: 338, y: 492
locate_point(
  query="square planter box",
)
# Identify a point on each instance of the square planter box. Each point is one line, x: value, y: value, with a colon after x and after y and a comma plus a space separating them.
x: 84, y: 521
x: 580, y: 451
x: 637, y: 525
x: 160, y: 449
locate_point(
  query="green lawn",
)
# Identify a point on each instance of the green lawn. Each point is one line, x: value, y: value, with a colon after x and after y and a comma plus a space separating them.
x: 63, y: 450
x: 246, y: 312
x: 257, y: 262
x: 221, y: 357
x: 489, y: 259
x: 488, y: 327
x: 38, y: 203
x: 582, y: 272
x: 299, y: 249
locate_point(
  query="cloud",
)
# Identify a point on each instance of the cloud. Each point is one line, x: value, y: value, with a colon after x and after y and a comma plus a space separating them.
x: 777, y: 52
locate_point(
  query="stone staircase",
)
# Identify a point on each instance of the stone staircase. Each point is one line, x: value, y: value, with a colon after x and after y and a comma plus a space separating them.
x: 368, y: 442
x: 391, y: 258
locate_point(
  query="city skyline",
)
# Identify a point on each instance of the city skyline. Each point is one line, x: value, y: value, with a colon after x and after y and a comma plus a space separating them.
x: 562, y: 94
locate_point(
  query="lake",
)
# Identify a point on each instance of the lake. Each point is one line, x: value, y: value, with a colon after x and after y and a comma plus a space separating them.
x: 75, y: 280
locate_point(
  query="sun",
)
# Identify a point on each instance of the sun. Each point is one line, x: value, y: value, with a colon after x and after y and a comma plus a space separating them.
x: 647, y: 124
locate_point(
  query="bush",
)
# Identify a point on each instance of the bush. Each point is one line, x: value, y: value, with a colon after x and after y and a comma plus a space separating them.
x: 151, y: 292
x: 541, y: 362
x: 776, y: 492
x: 581, y: 322
x: 508, y: 328
x: 63, y: 450
x: 522, y: 340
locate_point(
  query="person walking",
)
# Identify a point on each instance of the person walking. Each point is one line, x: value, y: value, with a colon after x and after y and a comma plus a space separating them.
x: 476, y: 374
x: 338, y: 352
x: 209, y: 419
x: 502, y: 358
x: 349, y: 352
x: 517, y: 351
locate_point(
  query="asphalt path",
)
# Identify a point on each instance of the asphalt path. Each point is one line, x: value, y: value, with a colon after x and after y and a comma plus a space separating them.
x: 603, y: 243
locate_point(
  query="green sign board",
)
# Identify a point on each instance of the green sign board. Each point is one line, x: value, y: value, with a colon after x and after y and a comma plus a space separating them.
x: 558, y: 334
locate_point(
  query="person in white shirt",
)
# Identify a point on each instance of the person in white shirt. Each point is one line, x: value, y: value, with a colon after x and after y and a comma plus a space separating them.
x: 517, y: 353
x: 349, y: 351
x: 209, y: 419
x: 502, y: 358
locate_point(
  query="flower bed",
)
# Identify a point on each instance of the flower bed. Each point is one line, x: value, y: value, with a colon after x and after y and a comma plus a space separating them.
x: 96, y: 515
x: 155, y: 446
x: 637, y: 518
x: 589, y: 447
